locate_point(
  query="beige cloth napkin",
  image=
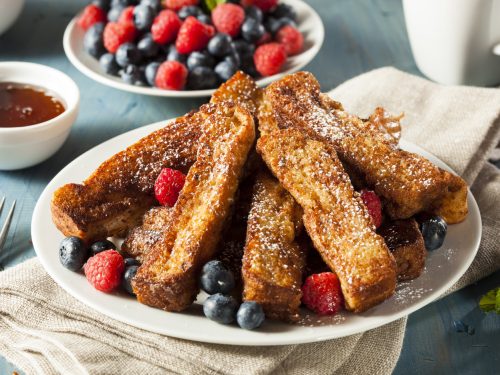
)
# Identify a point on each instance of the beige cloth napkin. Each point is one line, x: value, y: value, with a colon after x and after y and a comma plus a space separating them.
x: 43, y: 330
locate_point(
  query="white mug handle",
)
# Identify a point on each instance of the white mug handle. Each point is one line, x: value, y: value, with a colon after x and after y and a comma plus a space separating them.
x: 496, y: 49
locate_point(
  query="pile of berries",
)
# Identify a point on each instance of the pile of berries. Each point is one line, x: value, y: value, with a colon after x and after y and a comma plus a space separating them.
x: 184, y: 44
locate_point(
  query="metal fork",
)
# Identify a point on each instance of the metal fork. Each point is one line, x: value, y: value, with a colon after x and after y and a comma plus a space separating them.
x: 6, y: 225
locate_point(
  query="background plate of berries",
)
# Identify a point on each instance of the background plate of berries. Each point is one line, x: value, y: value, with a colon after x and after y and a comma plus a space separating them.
x: 99, y: 275
x: 187, y: 48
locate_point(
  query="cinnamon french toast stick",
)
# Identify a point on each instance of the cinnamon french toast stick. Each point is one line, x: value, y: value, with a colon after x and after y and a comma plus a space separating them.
x: 334, y: 216
x: 408, y: 182
x: 273, y: 262
x: 168, y: 278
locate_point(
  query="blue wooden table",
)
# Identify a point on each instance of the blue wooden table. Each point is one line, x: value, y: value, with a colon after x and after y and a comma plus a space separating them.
x: 360, y: 36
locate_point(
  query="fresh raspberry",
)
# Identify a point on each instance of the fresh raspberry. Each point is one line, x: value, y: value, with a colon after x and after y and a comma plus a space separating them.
x: 269, y: 58
x: 265, y: 38
x: 228, y: 18
x: 171, y: 75
x: 193, y: 35
x: 321, y: 293
x: 165, y: 27
x: 264, y: 5
x: 291, y: 38
x: 115, y: 34
x: 91, y: 14
x: 178, y: 4
x: 104, y: 270
x: 169, y: 183
x: 127, y: 15
x: 374, y: 206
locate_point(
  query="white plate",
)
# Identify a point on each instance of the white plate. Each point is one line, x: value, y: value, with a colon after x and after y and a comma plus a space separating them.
x: 443, y: 268
x: 308, y: 21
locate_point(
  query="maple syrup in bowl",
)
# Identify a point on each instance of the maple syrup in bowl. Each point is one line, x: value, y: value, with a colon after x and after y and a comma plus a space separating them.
x: 38, y: 106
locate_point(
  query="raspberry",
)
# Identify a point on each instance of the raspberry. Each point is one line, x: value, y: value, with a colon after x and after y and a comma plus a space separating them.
x: 269, y: 58
x: 127, y: 15
x: 165, y: 27
x: 291, y: 38
x: 168, y: 184
x: 321, y: 293
x: 104, y: 270
x: 374, y: 206
x: 115, y: 34
x: 193, y: 35
x: 264, y: 5
x: 91, y: 14
x: 178, y: 4
x: 228, y: 18
x: 171, y: 75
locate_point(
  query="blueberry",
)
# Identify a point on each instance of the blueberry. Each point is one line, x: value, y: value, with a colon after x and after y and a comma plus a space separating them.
x: 216, y: 278
x: 190, y: 10
x: 73, y: 253
x: 284, y: 11
x: 434, y: 232
x: 154, y: 4
x: 173, y: 54
x: 248, y: 66
x: 250, y: 315
x: 252, y: 30
x: 103, y: 4
x: 205, y: 19
x: 123, y: 3
x: 127, y: 54
x: 143, y: 17
x: 225, y: 70
x: 150, y: 72
x: 127, y: 277
x: 92, y: 41
x: 196, y: 59
x: 273, y: 24
x: 108, y: 64
x: 147, y: 47
x: 219, y: 45
x: 102, y: 245
x: 131, y: 262
x: 114, y: 13
x: 243, y: 47
x: 133, y: 75
x: 460, y: 326
x: 234, y: 58
x: 253, y: 12
x: 220, y: 308
x: 201, y: 78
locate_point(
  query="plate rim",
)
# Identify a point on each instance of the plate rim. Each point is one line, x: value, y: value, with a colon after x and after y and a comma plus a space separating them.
x: 151, y: 91
x: 267, y: 340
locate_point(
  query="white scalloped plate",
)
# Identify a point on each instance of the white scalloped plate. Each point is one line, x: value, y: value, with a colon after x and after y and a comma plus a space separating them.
x: 308, y: 21
x: 443, y: 268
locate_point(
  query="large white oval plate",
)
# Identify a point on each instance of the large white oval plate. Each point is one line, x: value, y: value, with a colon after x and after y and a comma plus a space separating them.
x: 443, y: 268
x: 308, y: 22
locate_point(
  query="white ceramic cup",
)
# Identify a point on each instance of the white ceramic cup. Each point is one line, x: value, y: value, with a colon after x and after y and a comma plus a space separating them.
x: 9, y: 11
x: 455, y: 41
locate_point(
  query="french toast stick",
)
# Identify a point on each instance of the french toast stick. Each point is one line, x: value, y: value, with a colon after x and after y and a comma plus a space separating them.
x: 273, y: 261
x: 114, y: 198
x: 168, y: 278
x: 335, y: 217
x: 409, y: 183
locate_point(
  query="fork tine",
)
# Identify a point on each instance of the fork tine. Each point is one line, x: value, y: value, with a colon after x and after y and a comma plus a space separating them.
x: 5, y: 228
x: 1, y: 204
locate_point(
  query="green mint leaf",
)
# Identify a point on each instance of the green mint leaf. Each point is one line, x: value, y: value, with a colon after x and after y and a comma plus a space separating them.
x: 211, y: 4
x: 491, y: 301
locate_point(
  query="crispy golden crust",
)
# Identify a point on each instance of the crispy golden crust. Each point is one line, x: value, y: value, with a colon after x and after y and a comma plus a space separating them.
x: 334, y: 216
x: 273, y: 262
x: 168, y: 277
x: 409, y: 182
x: 404, y: 240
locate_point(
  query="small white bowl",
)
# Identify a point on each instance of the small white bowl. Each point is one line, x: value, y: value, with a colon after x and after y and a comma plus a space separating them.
x: 9, y: 11
x: 22, y: 147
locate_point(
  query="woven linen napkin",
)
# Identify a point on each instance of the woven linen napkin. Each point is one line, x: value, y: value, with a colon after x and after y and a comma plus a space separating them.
x: 43, y: 330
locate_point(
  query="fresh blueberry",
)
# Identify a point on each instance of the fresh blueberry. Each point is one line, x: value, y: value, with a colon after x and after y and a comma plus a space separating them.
x: 123, y: 3
x: 220, y: 308
x: 250, y: 315
x: 190, y: 10
x: 273, y: 24
x: 147, y: 47
x: 114, y: 13
x: 154, y: 4
x: 216, y: 278
x: 102, y: 245
x: 201, y: 78
x: 127, y: 54
x: 284, y: 11
x: 252, y: 30
x: 103, y: 4
x: 127, y: 277
x: 434, y: 232
x: 219, y: 45
x: 93, y: 42
x: 234, y: 58
x: 243, y: 47
x: 225, y: 70
x: 150, y: 72
x: 248, y: 66
x: 131, y: 262
x: 173, y: 54
x: 253, y: 12
x: 132, y: 75
x: 108, y: 64
x: 143, y: 17
x: 73, y: 253
x: 205, y: 18
x: 196, y: 59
